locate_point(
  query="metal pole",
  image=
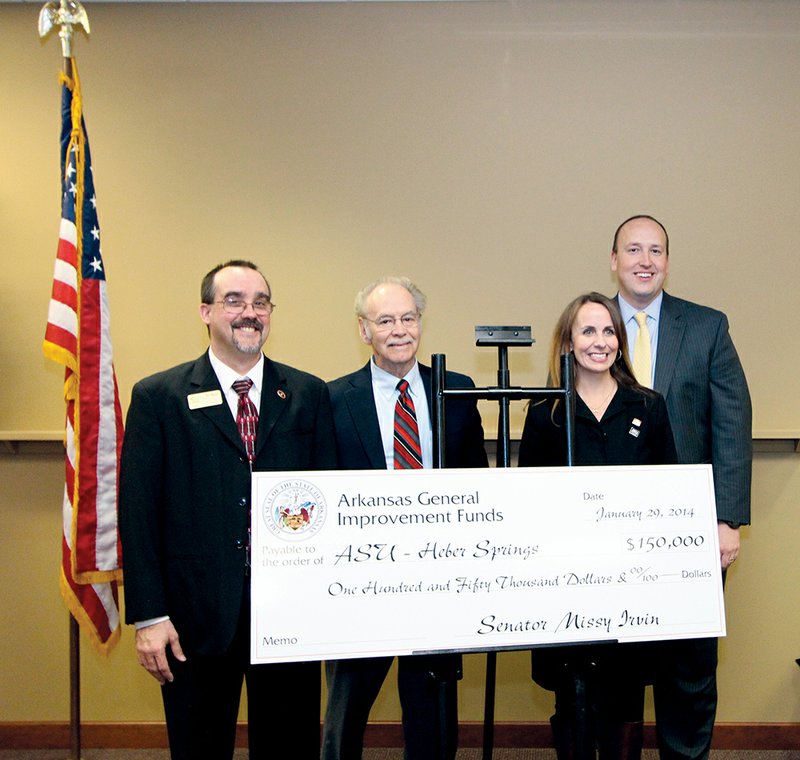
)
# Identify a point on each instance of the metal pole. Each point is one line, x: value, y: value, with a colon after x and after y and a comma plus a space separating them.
x: 568, y: 384
x: 503, y: 427
x: 74, y: 690
x: 503, y: 394
x: 503, y: 459
x: 438, y: 369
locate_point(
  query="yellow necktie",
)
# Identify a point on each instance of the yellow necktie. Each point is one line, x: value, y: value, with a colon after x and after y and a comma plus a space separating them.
x: 641, y: 352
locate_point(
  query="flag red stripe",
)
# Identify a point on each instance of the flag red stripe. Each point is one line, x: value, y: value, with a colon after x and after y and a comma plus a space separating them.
x: 64, y: 293
x: 60, y: 337
x: 88, y: 424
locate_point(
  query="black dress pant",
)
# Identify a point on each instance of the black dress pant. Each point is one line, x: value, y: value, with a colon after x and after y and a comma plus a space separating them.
x: 427, y: 687
x: 202, y: 704
x: 685, y: 698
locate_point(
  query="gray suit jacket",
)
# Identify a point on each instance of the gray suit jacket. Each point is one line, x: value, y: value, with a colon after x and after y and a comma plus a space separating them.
x: 699, y: 374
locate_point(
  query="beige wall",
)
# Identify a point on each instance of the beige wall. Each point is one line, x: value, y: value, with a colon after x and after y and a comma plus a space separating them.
x: 757, y: 676
x: 486, y: 149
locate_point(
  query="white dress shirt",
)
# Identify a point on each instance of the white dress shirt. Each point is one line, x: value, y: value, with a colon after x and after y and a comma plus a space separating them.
x: 385, y: 393
x: 653, y: 311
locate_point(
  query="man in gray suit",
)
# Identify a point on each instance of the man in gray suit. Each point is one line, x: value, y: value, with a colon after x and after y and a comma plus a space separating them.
x: 694, y: 365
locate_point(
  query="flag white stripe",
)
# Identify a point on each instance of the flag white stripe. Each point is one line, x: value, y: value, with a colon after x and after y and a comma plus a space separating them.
x: 68, y: 231
x: 106, y: 597
x: 66, y: 273
x: 66, y: 514
x: 63, y: 316
x: 106, y: 473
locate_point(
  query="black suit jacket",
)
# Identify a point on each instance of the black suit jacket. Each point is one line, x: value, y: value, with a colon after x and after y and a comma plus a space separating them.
x: 699, y: 374
x: 359, y: 445
x: 358, y: 434
x: 605, y: 442
x: 185, y: 491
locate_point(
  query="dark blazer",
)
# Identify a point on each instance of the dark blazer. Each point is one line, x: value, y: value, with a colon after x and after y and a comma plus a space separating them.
x: 699, y: 374
x: 604, y: 442
x: 358, y: 434
x: 429, y: 706
x: 185, y: 492
x: 598, y: 442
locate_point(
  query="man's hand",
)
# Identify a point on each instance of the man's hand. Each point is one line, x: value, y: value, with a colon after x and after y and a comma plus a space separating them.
x: 151, y: 649
x: 728, y: 544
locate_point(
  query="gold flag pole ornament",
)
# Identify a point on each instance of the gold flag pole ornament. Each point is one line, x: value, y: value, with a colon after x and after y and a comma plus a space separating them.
x: 65, y: 14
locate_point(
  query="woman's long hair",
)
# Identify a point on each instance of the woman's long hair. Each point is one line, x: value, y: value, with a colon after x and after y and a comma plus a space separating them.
x: 562, y: 337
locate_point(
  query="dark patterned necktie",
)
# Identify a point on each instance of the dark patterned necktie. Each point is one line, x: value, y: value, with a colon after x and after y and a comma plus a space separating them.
x: 407, y: 450
x: 246, y: 417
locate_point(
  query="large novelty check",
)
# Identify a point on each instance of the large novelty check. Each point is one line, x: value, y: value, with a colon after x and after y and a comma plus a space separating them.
x: 372, y: 563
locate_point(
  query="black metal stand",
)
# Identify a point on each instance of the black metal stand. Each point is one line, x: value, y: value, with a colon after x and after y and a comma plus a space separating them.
x: 503, y: 393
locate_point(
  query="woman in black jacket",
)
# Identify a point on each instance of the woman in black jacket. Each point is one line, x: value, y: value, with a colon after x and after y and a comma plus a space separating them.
x: 617, y: 422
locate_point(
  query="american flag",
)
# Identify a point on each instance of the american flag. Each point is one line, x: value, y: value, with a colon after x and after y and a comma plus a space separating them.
x: 78, y: 337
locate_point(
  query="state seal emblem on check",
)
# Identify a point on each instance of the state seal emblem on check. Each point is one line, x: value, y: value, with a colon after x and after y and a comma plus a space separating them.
x: 294, y: 510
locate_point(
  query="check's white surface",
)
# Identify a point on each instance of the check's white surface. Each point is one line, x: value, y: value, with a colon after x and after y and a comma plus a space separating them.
x: 371, y: 563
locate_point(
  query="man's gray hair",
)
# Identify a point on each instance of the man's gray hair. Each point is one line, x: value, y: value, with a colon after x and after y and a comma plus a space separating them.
x: 420, y: 300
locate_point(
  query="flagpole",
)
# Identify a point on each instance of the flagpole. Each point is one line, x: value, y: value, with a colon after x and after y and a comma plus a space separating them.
x: 75, y: 741
x: 65, y: 14
x: 75, y: 745
x: 74, y: 689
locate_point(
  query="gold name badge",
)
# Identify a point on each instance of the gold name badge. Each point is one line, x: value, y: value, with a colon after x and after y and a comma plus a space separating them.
x: 203, y: 400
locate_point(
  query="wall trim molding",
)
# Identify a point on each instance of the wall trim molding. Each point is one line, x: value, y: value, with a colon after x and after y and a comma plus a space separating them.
x: 148, y: 735
x: 49, y: 443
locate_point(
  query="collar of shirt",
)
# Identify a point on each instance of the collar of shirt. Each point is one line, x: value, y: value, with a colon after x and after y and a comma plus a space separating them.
x: 385, y: 383
x: 623, y: 398
x: 653, y: 309
x: 227, y: 377
x: 384, y: 391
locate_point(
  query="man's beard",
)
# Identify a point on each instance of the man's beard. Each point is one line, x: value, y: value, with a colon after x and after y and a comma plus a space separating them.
x: 247, y: 348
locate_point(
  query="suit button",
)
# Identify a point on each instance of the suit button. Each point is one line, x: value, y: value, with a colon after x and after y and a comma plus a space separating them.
x: 239, y: 544
x: 243, y: 502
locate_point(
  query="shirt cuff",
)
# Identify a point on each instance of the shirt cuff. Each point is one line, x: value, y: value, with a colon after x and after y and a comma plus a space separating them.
x: 150, y: 621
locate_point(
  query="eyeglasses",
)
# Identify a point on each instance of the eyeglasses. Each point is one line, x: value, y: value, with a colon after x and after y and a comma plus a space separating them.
x: 385, y: 324
x: 261, y: 306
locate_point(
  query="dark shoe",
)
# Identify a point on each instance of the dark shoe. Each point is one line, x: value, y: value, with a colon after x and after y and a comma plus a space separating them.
x: 622, y: 741
x: 569, y: 745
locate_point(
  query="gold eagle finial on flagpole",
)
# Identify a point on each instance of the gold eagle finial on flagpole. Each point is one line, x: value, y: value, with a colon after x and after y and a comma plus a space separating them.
x: 65, y: 14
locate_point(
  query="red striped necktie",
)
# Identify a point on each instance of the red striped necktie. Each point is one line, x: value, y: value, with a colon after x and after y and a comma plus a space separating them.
x: 407, y: 450
x: 246, y: 417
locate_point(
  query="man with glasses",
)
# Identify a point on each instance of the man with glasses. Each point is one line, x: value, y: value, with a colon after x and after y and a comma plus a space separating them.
x: 194, y: 434
x: 382, y: 421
